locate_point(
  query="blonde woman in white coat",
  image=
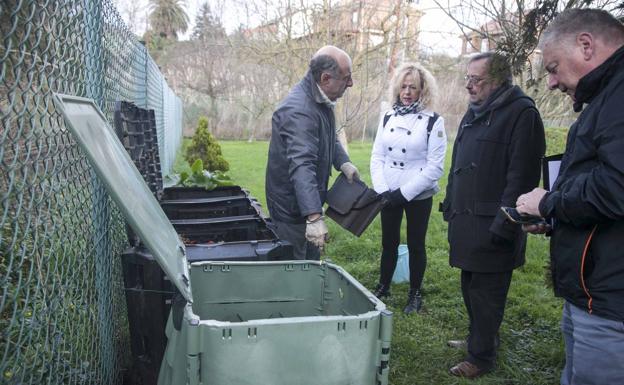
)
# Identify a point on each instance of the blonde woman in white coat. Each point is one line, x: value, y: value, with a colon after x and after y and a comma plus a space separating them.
x: 406, y: 163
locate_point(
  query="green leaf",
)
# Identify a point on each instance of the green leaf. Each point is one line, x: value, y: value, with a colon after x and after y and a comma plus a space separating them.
x: 224, y: 183
x: 200, y: 178
x: 221, y: 175
x: 209, y: 185
x: 171, y: 179
x: 197, y: 166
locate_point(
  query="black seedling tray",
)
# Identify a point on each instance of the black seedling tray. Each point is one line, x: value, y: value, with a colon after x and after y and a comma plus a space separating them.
x: 173, y: 193
x: 203, y: 208
x: 225, y: 229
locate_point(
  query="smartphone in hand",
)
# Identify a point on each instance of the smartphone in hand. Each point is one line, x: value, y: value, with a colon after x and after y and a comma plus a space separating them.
x: 522, y: 219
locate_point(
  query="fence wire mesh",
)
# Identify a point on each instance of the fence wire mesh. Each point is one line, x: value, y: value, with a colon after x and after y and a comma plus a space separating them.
x: 62, y: 307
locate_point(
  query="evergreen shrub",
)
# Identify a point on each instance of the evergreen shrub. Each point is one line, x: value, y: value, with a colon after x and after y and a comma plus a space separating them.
x: 204, y: 146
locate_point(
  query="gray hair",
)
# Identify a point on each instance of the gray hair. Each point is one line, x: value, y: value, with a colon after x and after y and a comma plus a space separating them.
x: 323, y: 63
x: 499, y: 68
x: 423, y: 78
x: 571, y: 22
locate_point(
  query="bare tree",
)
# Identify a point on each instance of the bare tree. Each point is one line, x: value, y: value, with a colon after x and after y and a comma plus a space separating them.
x: 238, y: 79
x: 133, y: 12
x: 513, y: 28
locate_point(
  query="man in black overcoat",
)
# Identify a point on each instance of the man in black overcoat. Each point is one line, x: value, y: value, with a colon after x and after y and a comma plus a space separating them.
x: 496, y: 157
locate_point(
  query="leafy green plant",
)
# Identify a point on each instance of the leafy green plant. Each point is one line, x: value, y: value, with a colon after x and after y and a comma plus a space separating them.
x: 199, y: 177
x: 205, y: 147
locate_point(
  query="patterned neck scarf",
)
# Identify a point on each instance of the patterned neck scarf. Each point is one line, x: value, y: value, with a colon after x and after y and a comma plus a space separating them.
x: 414, y: 108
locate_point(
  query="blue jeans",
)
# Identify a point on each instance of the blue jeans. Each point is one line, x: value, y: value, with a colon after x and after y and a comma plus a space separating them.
x: 594, y: 348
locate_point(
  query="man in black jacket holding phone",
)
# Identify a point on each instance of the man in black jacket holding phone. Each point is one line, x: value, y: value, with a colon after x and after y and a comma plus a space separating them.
x: 583, y: 52
x: 496, y: 157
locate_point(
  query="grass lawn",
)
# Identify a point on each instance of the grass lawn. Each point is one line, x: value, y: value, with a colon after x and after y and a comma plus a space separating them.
x: 531, y: 349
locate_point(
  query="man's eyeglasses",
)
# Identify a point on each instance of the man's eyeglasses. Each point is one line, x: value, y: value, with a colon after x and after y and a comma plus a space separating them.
x: 552, y: 68
x: 474, y: 80
x: 345, y: 79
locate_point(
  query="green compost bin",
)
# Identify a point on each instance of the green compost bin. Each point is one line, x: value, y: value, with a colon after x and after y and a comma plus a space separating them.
x: 296, y: 322
x: 261, y: 323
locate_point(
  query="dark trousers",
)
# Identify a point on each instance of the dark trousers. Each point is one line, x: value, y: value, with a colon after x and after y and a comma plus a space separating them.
x: 417, y: 214
x: 485, y: 295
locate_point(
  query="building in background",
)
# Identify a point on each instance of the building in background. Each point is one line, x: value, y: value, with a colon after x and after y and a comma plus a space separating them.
x: 355, y: 25
x: 482, y: 40
x: 370, y: 23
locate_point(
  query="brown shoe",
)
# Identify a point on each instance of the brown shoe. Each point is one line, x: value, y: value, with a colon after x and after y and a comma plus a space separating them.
x: 467, y: 370
x: 456, y: 344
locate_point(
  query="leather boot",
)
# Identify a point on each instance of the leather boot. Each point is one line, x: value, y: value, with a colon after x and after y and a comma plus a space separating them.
x: 382, y: 291
x: 414, y: 302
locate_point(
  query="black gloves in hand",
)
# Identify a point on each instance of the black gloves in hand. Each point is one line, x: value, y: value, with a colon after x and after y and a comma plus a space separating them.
x: 393, y: 198
x: 385, y: 197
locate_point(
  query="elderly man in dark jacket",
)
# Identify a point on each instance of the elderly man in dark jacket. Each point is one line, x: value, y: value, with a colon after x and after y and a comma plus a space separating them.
x: 302, y: 151
x: 496, y: 157
x: 583, y: 52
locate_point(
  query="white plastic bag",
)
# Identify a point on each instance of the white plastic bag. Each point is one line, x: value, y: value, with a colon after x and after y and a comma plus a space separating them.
x: 401, y: 273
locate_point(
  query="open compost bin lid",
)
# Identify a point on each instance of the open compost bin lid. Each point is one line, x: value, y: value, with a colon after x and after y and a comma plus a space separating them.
x: 126, y: 186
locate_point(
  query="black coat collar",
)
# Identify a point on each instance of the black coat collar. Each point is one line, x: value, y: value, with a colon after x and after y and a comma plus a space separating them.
x: 595, y: 81
x: 502, y: 97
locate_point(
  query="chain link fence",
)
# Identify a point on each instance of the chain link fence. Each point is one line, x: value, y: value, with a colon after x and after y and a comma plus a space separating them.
x: 62, y: 307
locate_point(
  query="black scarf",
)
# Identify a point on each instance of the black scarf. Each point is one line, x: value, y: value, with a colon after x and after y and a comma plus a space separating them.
x: 501, y: 92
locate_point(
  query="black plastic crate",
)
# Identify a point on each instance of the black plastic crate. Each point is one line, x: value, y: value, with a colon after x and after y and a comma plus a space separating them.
x: 255, y: 250
x: 148, y: 298
x: 136, y: 128
x: 202, y: 208
x: 225, y: 229
x: 173, y: 193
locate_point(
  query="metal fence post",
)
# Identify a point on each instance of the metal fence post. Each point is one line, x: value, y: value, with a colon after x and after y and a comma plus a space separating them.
x: 101, y: 206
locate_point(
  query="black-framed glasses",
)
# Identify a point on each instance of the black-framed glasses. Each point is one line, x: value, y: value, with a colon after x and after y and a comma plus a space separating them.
x: 472, y: 79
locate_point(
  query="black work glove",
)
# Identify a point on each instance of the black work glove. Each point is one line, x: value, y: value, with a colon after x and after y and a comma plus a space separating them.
x: 385, y: 198
x: 444, y: 208
x: 394, y: 198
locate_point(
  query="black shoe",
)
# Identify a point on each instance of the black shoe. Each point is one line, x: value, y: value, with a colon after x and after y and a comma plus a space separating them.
x: 414, y: 302
x: 382, y: 291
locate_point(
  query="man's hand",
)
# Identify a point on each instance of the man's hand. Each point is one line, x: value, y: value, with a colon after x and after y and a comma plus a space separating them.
x: 350, y: 171
x: 316, y: 231
x: 529, y: 203
x: 536, y: 229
